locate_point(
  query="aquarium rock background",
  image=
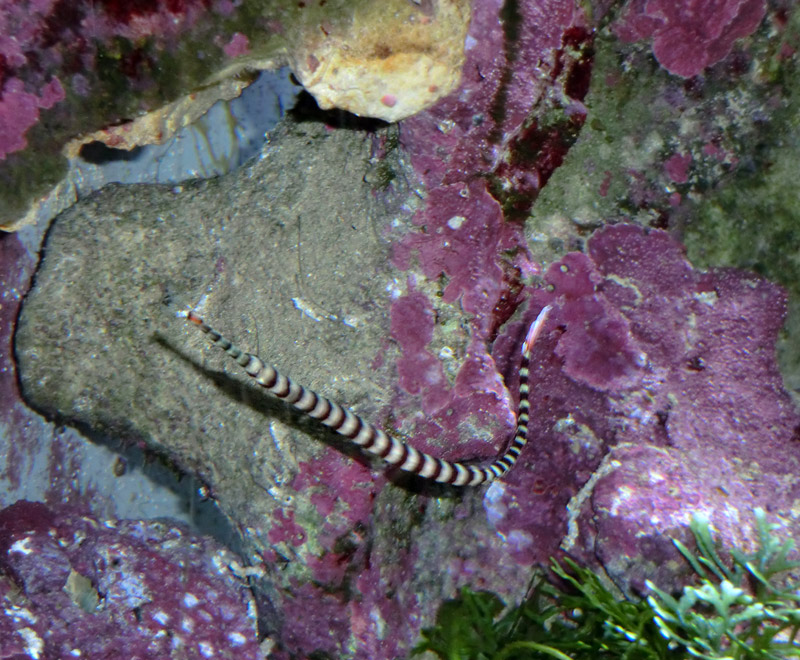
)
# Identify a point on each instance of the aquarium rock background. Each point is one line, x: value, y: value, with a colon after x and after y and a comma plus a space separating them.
x: 631, y: 164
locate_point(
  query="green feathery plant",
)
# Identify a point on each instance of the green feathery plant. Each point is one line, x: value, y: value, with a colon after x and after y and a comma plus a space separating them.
x: 742, y: 607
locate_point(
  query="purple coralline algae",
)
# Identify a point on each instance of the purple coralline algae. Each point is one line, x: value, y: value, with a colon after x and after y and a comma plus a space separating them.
x: 690, y: 35
x: 73, y: 586
x: 19, y: 110
x: 483, y: 153
x: 655, y: 395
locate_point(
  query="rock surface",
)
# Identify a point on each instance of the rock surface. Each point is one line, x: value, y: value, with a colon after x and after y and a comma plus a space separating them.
x: 133, y: 74
x: 286, y: 256
x: 406, y: 299
x: 636, y: 381
x: 391, y: 61
x: 73, y: 586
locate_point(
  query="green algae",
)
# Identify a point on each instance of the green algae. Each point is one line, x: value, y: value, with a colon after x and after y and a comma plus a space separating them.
x: 742, y: 605
x: 622, y: 134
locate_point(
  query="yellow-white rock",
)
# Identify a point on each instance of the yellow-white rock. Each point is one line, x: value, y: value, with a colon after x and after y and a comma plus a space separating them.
x: 393, y: 59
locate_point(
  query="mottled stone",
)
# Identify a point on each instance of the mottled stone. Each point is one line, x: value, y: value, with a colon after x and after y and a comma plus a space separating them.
x: 666, y: 400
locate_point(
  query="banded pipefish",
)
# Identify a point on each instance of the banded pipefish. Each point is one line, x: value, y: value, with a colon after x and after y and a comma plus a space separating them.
x: 369, y: 437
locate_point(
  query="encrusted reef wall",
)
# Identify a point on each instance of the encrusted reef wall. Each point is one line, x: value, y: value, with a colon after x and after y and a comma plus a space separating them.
x: 396, y: 268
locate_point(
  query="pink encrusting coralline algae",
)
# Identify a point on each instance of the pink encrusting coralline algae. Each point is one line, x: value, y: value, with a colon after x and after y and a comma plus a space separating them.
x: 473, y: 153
x: 659, y: 381
x: 74, y: 586
x: 690, y: 35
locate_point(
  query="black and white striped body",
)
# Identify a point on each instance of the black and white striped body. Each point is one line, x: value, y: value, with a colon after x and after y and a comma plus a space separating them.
x: 372, y: 439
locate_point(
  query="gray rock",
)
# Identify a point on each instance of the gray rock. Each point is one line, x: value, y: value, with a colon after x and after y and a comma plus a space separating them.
x: 287, y: 257
x: 99, y: 343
